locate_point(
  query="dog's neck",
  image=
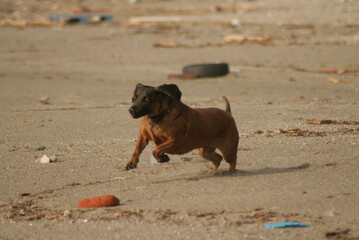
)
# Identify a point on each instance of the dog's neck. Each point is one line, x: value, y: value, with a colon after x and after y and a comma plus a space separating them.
x: 157, y: 118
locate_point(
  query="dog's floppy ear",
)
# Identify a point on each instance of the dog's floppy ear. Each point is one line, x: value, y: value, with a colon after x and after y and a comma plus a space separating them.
x: 171, y: 90
x: 139, y: 85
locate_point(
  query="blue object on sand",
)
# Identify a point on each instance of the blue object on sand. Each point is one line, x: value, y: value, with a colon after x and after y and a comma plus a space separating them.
x: 285, y: 225
x: 82, y: 18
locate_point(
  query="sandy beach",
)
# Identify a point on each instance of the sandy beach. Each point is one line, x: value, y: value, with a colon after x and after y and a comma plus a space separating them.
x: 65, y: 91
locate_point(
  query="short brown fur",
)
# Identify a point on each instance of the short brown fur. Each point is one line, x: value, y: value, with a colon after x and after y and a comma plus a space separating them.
x: 184, y: 129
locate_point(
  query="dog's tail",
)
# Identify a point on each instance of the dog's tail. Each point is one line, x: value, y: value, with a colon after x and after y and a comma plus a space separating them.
x: 227, y: 105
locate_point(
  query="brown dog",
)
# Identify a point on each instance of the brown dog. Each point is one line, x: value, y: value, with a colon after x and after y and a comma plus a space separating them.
x: 175, y: 128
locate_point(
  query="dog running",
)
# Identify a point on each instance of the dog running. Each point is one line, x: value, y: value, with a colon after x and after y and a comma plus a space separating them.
x: 176, y: 128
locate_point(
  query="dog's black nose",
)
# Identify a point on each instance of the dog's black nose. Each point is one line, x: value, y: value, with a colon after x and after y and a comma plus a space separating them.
x: 132, y: 110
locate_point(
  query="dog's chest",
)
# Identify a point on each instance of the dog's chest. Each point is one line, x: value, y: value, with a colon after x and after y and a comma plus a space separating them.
x: 158, y: 134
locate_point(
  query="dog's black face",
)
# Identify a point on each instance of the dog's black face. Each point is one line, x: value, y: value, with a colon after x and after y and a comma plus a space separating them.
x: 145, y: 98
x: 142, y: 98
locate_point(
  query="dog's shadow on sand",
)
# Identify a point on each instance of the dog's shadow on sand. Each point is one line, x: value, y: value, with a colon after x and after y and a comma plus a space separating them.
x: 239, y: 173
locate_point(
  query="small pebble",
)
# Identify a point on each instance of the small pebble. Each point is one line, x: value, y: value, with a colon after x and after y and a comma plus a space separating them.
x: 235, y: 22
x: 329, y: 213
x: 53, y: 158
x: 44, y: 159
x: 44, y: 100
x: 49, y: 159
x: 67, y: 213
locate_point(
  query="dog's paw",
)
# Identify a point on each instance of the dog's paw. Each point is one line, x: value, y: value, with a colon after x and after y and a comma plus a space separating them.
x: 164, y: 158
x: 212, y: 171
x: 130, y: 165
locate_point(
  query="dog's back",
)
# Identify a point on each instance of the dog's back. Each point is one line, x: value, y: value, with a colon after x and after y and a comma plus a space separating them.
x: 213, y: 124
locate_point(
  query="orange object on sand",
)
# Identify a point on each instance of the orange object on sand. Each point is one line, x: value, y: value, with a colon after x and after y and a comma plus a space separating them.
x: 102, y: 201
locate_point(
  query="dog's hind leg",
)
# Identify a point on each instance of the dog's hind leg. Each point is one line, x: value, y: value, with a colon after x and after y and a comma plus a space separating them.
x: 209, y: 153
x: 232, y: 160
x: 230, y: 156
x: 229, y: 148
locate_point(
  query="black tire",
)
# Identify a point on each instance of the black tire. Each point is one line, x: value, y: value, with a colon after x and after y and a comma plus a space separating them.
x: 207, y: 70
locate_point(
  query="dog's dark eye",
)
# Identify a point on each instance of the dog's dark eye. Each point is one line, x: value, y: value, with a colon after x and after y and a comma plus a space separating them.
x: 146, y: 99
x: 134, y: 98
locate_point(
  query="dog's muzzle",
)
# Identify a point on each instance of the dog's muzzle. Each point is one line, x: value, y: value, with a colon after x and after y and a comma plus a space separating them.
x: 132, y: 111
x: 136, y: 112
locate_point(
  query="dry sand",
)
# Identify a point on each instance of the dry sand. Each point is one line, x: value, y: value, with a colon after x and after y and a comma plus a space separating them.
x: 89, y: 72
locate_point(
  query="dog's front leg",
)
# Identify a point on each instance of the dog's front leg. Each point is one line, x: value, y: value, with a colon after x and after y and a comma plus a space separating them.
x: 140, y: 146
x: 160, y: 150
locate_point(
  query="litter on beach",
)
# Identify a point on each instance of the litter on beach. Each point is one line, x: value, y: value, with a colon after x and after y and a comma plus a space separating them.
x: 285, y: 225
